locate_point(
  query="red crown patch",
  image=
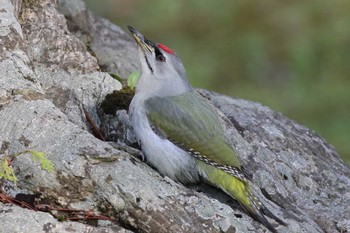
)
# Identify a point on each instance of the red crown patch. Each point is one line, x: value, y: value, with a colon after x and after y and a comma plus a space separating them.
x: 166, y: 49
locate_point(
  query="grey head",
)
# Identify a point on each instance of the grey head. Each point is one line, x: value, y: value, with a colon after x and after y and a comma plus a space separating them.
x: 162, y: 72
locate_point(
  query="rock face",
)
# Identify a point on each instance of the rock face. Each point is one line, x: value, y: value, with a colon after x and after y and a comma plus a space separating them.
x: 48, y: 76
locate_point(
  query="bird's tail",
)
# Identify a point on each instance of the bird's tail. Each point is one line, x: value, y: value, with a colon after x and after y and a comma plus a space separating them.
x: 258, y: 211
x: 238, y: 188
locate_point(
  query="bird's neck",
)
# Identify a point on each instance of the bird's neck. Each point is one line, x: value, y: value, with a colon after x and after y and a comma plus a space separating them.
x: 151, y: 87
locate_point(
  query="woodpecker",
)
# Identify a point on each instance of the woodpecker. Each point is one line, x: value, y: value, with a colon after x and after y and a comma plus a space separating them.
x: 180, y: 133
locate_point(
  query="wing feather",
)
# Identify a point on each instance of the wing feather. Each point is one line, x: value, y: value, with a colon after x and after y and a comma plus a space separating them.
x: 191, y: 123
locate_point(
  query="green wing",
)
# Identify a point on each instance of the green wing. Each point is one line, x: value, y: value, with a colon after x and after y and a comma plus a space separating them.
x: 191, y: 123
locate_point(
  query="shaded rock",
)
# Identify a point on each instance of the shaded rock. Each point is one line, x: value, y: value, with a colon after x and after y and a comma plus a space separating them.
x: 15, y: 219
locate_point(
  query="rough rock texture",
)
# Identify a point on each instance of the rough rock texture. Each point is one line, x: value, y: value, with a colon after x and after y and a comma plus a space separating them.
x: 295, y: 167
x: 19, y: 220
x: 48, y: 76
x: 105, y: 40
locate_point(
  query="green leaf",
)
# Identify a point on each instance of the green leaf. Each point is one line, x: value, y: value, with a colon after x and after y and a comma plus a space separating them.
x: 115, y: 76
x: 133, y: 78
x: 6, y: 171
x: 44, y: 162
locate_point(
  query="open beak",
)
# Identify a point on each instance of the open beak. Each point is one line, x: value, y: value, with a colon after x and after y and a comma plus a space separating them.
x: 145, y: 44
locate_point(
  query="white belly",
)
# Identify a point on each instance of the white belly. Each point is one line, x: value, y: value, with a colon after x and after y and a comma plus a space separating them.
x: 169, y: 159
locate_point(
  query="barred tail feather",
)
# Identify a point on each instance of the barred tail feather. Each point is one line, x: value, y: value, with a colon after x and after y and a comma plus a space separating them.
x: 257, y: 211
x: 239, y: 190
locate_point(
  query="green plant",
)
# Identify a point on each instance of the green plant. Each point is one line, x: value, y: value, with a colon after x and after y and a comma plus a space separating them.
x: 7, y: 172
x: 133, y: 78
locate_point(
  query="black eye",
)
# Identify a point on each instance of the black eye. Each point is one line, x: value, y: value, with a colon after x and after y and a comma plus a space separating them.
x: 160, y: 57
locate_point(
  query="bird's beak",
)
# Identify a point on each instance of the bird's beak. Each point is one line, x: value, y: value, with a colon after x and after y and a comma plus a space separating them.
x: 146, y: 44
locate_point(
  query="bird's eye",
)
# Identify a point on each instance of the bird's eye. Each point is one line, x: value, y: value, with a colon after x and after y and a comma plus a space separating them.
x: 161, y: 58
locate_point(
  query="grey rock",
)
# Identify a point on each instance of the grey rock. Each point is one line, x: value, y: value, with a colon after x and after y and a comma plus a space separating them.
x: 48, y: 76
x: 15, y: 219
x: 107, y: 41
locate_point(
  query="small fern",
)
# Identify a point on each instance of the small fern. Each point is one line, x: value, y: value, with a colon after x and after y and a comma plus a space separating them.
x: 7, y: 172
x: 41, y: 157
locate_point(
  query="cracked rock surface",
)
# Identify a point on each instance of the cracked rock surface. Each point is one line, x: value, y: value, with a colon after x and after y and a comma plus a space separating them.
x: 52, y: 58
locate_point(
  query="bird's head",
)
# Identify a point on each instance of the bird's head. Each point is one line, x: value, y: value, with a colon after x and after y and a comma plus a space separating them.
x: 160, y: 67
